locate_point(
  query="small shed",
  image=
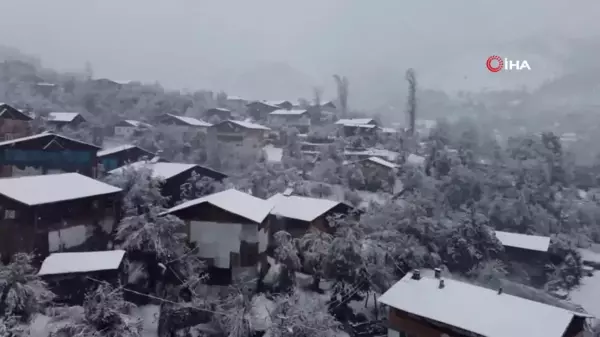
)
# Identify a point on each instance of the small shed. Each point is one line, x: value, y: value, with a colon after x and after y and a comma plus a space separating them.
x: 71, y: 275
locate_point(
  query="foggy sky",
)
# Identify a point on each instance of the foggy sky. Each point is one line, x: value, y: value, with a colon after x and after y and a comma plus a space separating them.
x: 229, y: 44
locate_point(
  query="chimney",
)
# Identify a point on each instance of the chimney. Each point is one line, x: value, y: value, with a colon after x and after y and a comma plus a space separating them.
x: 416, y: 275
x: 438, y: 273
x: 441, y: 286
x: 500, y: 291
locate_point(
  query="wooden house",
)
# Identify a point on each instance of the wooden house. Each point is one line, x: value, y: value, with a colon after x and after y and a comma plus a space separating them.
x: 71, y: 275
x: 299, y: 119
x: 174, y: 175
x: 127, y: 128
x: 48, y: 152
x: 259, y: 110
x: 62, y: 119
x: 115, y: 157
x: 13, y: 123
x: 357, y: 127
x: 221, y: 113
x: 58, y: 212
x: 230, y: 229
x: 297, y: 214
x: 183, y: 122
x: 528, y: 252
x: 436, y: 306
x: 241, y: 133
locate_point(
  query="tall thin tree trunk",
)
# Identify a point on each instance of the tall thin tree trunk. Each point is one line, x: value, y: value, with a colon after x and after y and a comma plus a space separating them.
x: 411, y: 104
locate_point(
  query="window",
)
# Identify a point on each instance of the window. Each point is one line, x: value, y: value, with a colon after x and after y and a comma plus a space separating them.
x: 10, y: 214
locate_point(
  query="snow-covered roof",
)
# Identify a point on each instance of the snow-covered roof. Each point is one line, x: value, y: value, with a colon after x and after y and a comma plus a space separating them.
x: 382, y: 162
x: 81, y: 262
x: 354, y: 121
x: 41, y: 135
x: 233, y: 201
x: 46, y: 189
x: 389, y: 130
x: 482, y: 311
x: 274, y: 154
x: 219, y: 109
x: 62, y: 116
x: 276, y: 102
x: 137, y: 123
x: 235, y: 98
x: 390, y: 155
x: 191, y: 121
x: 284, y: 112
x: 159, y: 170
x: 116, y: 149
x: 414, y: 159
x: 524, y: 241
x: 249, y: 125
x: 300, y: 208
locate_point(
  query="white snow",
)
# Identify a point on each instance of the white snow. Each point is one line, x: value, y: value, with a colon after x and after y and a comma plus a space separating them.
x: 389, y: 130
x: 149, y: 314
x: 234, y: 201
x: 263, y: 240
x: 136, y: 124
x: 300, y: 208
x: 67, y: 237
x: 373, y: 152
x: 115, y: 149
x: 482, y: 311
x: 260, y: 313
x: 159, y: 170
x: 284, y: 112
x: 355, y: 121
x: 523, y: 241
x: 414, y: 159
x: 62, y: 116
x: 45, y: 189
x: 81, y: 262
x: 274, y: 154
x: 191, y: 121
x: 382, y: 162
x: 249, y: 125
x: 276, y: 102
x: 587, y: 294
x: 41, y: 135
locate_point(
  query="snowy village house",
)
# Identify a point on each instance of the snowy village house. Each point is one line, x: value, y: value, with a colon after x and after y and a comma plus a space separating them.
x: 221, y: 114
x: 44, y: 88
x: 115, y: 157
x: 62, y: 119
x: 127, y: 128
x: 530, y: 252
x: 230, y: 229
x: 183, y: 123
x: 282, y: 118
x: 13, y: 124
x: 240, y: 133
x: 298, y: 214
x: 357, y: 126
x: 259, y: 110
x: 174, y: 175
x: 58, y: 212
x: 435, y: 306
x: 71, y: 275
x: 48, y: 152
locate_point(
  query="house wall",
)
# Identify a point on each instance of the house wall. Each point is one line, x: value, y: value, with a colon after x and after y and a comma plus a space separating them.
x: 400, y: 321
x: 76, y: 225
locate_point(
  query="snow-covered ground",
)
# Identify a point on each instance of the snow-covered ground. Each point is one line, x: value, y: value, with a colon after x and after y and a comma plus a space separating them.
x: 588, y: 293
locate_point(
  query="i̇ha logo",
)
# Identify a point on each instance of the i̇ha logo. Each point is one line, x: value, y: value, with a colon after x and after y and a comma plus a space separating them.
x: 495, y: 63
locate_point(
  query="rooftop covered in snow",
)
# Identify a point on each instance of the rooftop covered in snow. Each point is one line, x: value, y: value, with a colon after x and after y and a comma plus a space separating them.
x: 81, y: 262
x: 51, y: 188
x: 302, y: 208
x: 249, y: 125
x: 524, y: 241
x: 232, y: 201
x: 191, y: 121
x: 356, y: 121
x: 482, y: 311
x: 120, y: 148
x: 137, y: 124
x: 161, y: 170
x: 50, y: 135
x: 382, y: 162
x: 284, y: 112
x: 62, y: 116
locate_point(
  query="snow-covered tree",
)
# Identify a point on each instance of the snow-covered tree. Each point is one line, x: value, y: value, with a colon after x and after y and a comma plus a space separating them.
x: 106, y: 314
x: 22, y: 292
x: 314, y: 247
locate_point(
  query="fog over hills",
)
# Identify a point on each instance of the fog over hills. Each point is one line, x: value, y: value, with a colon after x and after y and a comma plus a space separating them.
x: 283, y: 48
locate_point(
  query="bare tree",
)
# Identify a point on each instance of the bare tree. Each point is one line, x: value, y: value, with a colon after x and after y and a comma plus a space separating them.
x: 342, y: 90
x: 411, y: 104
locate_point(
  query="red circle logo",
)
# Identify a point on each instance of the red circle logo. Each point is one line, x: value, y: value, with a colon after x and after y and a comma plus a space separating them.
x: 490, y: 63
